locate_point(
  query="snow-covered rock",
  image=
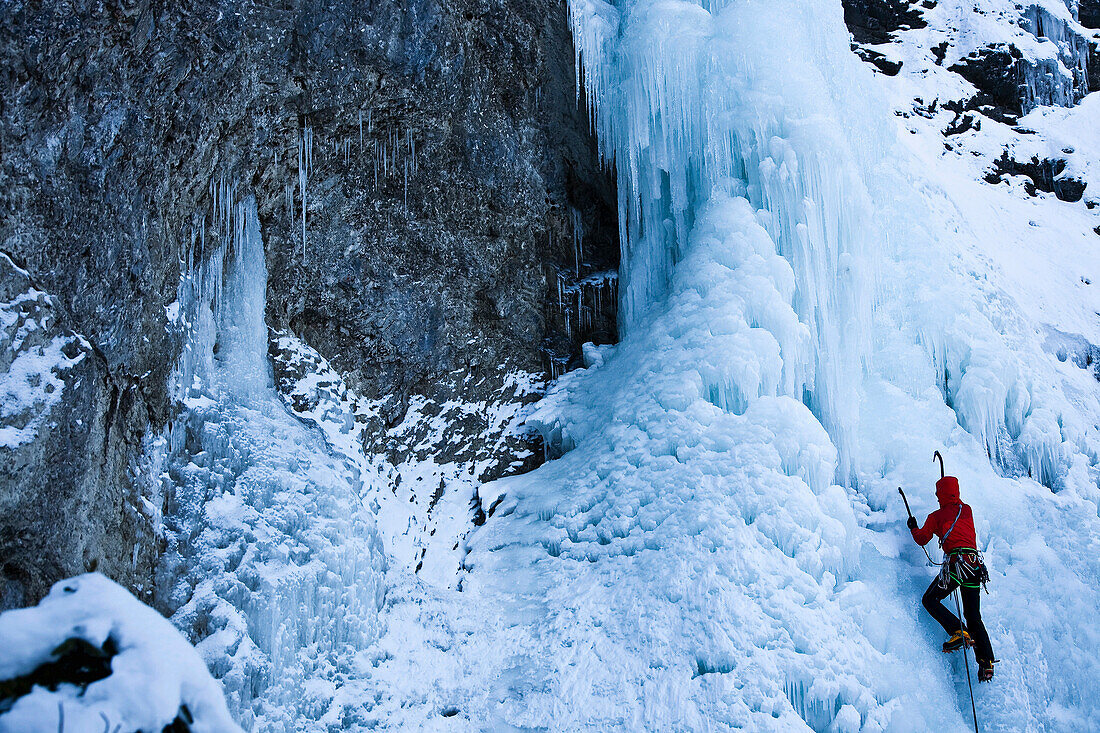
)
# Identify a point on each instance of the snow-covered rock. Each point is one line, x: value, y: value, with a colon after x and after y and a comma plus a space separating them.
x: 1004, y: 85
x: 91, y: 657
x: 422, y: 474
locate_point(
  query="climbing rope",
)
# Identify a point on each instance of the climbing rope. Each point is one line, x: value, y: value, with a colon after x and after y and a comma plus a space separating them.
x: 966, y: 658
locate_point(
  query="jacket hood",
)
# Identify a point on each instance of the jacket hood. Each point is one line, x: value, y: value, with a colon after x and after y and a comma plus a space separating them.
x: 947, y: 491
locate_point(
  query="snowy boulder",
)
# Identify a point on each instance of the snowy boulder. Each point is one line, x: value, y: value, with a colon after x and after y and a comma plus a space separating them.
x: 91, y: 657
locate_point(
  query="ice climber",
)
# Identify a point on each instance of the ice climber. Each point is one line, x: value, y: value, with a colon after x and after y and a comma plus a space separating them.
x: 962, y: 568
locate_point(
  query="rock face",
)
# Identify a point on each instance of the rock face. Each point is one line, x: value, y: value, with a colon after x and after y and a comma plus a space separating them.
x: 996, y: 73
x: 876, y: 21
x: 1088, y: 13
x: 433, y: 153
x: 62, y: 441
x: 448, y: 164
x: 1044, y: 175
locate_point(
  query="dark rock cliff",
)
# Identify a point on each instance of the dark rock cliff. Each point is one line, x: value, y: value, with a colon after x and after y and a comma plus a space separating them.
x: 451, y: 182
x: 876, y: 21
x: 1088, y: 12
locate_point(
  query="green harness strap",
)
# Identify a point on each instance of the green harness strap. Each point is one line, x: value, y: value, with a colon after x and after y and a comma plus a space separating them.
x: 950, y: 556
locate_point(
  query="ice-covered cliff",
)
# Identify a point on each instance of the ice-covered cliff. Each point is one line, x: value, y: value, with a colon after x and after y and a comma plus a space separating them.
x: 850, y: 233
x: 816, y: 293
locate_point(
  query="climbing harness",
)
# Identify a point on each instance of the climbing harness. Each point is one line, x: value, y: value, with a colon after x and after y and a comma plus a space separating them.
x: 962, y: 565
x: 965, y: 567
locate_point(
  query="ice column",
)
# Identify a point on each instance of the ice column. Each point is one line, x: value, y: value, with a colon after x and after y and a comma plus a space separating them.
x: 682, y: 111
x: 273, y: 566
x: 242, y: 331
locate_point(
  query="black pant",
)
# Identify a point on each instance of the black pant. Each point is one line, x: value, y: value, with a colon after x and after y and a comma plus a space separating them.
x: 971, y: 600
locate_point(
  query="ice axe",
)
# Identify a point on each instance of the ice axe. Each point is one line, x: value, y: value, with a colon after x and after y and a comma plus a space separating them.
x: 935, y: 457
x: 907, y: 509
x: 910, y: 513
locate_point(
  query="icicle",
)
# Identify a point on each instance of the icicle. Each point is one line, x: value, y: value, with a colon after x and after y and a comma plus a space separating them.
x: 305, y: 163
x: 578, y: 238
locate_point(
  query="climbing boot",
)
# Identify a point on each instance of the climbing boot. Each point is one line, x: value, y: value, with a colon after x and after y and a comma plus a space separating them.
x: 985, y: 670
x: 957, y: 641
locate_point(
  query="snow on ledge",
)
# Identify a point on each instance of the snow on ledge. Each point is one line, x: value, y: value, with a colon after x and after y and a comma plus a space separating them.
x: 154, y: 673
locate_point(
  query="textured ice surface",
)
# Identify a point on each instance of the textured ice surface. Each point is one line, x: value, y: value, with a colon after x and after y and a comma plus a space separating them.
x: 810, y: 309
x: 273, y: 564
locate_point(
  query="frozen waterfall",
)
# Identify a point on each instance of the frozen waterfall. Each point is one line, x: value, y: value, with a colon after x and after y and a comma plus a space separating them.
x: 722, y: 545
x: 273, y: 564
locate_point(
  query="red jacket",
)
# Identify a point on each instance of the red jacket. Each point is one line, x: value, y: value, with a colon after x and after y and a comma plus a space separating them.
x: 940, y: 521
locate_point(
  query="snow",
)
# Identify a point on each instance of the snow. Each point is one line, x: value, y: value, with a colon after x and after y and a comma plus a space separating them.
x: 154, y: 673
x: 1061, y: 129
x: 36, y: 364
x: 172, y: 312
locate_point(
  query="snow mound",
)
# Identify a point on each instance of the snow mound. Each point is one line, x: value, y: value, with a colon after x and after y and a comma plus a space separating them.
x: 153, y: 676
